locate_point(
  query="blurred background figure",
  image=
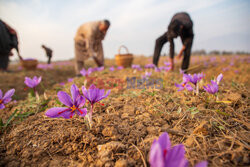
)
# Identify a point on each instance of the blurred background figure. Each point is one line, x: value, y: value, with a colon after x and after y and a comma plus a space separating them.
x: 88, y: 43
x: 8, y: 41
x: 48, y: 52
x: 180, y: 25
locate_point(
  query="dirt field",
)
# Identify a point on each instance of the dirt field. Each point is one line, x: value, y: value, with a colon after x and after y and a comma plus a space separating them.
x: 130, y: 119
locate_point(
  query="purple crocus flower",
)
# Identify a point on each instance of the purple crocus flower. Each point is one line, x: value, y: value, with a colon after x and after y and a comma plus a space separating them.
x: 167, y: 63
x: 184, y: 85
x: 163, y: 155
x: 86, y: 72
x: 93, y: 95
x: 112, y: 68
x: 6, y: 98
x: 32, y: 83
x: 149, y: 66
x: 100, y: 68
x: 120, y: 68
x: 70, y: 79
x: 195, y: 78
x: 146, y: 75
x: 157, y: 69
x: 213, y: 88
x: 74, y: 105
x: 62, y: 83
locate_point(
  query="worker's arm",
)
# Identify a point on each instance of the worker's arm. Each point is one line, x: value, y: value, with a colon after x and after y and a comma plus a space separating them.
x: 181, y: 52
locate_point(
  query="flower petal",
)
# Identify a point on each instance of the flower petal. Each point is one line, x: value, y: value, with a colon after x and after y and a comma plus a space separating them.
x: 176, y: 157
x: 82, y: 112
x: 156, y: 157
x: 55, y: 112
x: 108, y: 92
x: 2, y: 106
x: 9, y: 94
x: 80, y: 101
x: 201, y: 164
x: 74, y: 93
x: 164, y: 141
x: 1, y: 94
x: 29, y: 82
x: 65, y: 98
x: 219, y: 78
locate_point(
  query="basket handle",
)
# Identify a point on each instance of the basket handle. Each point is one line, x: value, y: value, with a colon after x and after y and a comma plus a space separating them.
x: 122, y: 46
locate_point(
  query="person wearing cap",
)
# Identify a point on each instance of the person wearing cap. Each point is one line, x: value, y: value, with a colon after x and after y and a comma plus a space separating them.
x: 88, y: 43
x: 8, y: 41
x: 180, y: 25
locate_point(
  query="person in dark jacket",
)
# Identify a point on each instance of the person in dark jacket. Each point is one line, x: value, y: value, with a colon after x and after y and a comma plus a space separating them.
x: 48, y: 53
x: 8, y: 41
x: 180, y: 25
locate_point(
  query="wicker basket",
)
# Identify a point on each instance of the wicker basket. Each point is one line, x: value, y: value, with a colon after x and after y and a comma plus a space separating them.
x: 29, y: 64
x: 124, y: 60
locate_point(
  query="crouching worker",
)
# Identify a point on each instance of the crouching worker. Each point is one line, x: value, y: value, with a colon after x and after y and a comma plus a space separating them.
x: 88, y: 43
x: 180, y: 25
x: 48, y: 52
x: 8, y: 41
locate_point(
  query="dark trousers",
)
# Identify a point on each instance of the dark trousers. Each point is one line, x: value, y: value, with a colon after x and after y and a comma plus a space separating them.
x: 187, y: 53
x: 4, y: 61
x: 49, y: 59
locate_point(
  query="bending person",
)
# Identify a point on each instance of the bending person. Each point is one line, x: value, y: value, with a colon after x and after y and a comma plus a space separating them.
x: 180, y: 25
x: 88, y: 43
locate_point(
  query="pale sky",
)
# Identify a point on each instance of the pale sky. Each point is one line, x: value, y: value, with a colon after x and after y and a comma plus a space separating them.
x: 218, y: 24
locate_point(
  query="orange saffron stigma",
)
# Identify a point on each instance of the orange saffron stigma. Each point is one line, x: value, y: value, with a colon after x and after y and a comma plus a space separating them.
x: 1, y: 101
x: 73, y: 108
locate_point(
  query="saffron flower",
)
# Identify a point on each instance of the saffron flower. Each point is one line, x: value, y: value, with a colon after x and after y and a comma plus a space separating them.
x: 70, y: 79
x: 112, y: 68
x: 74, y: 105
x: 149, y: 66
x: 100, y: 68
x: 86, y: 72
x: 213, y: 88
x: 93, y: 95
x: 184, y: 85
x: 32, y: 83
x: 146, y: 75
x: 6, y: 98
x: 195, y: 78
x: 163, y: 155
x: 120, y: 68
x: 136, y: 67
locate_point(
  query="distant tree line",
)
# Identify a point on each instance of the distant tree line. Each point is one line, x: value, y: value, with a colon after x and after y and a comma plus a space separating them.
x: 217, y: 52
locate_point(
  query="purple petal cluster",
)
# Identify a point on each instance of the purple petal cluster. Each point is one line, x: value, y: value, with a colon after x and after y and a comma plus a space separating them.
x: 163, y: 155
x: 94, y: 94
x: 146, y: 75
x: 136, y: 67
x: 120, y: 68
x: 213, y: 88
x: 149, y: 66
x: 32, y: 83
x: 74, y: 105
x: 6, y: 98
x: 195, y: 78
x: 112, y: 68
x: 86, y: 72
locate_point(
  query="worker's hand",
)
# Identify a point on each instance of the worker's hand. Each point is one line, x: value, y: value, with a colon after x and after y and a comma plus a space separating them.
x: 179, y: 56
x: 181, y: 52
